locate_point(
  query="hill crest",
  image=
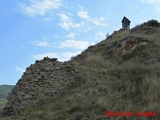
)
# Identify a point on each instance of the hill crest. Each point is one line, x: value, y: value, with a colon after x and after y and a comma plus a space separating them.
x: 120, y: 59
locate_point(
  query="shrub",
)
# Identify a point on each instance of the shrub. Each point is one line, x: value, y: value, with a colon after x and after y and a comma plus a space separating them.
x: 153, y: 23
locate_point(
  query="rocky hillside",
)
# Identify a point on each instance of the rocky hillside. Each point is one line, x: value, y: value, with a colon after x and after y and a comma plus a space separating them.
x: 120, y: 74
x: 47, y: 78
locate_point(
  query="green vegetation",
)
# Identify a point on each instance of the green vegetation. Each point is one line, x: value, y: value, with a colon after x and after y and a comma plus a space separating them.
x: 2, y: 103
x: 4, y: 91
x: 153, y: 23
x: 107, y: 80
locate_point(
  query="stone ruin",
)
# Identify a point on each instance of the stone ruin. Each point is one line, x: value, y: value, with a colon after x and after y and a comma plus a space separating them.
x: 128, y: 44
x: 47, y: 77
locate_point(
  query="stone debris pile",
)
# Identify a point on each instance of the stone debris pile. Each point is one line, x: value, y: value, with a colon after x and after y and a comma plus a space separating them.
x: 47, y: 77
x: 143, y: 30
x: 129, y: 44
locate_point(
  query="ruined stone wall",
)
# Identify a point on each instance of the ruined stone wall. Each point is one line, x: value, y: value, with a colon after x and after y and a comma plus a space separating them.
x: 47, y: 77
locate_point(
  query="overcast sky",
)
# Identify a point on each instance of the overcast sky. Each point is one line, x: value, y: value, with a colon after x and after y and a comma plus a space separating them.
x: 33, y: 29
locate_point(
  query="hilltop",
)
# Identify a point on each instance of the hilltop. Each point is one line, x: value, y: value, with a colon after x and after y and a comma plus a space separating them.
x: 121, y: 74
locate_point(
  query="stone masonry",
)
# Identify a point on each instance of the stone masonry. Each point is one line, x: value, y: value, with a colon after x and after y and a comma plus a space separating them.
x: 47, y: 78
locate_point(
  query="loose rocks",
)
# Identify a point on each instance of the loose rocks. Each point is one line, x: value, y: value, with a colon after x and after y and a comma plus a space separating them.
x: 47, y: 78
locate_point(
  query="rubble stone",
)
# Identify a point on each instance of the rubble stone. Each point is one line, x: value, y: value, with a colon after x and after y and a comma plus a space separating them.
x: 47, y: 78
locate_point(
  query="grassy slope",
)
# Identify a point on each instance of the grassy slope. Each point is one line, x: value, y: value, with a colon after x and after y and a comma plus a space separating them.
x: 2, y: 103
x: 120, y: 83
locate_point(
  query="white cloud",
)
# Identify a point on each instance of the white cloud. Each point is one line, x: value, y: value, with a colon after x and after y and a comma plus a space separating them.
x: 76, y: 44
x: 47, y: 19
x: 96, y: 21
x: 150, y: 1
x: 155, y: 3
x: 40, y: 43
x: 41, y: 56
x: 83, y: 14
x: 40, y: 7
x: 71, y: 35
x: 67, y: 23
x: 100, y: 36
x: 19, y: 69
x: 65, y: 56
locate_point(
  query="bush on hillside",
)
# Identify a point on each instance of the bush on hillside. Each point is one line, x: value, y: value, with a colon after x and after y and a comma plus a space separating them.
x: 153, y: 23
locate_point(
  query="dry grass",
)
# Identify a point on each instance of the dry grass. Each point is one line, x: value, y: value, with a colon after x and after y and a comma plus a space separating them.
x: 102, y: 85
x: 2, y: 103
